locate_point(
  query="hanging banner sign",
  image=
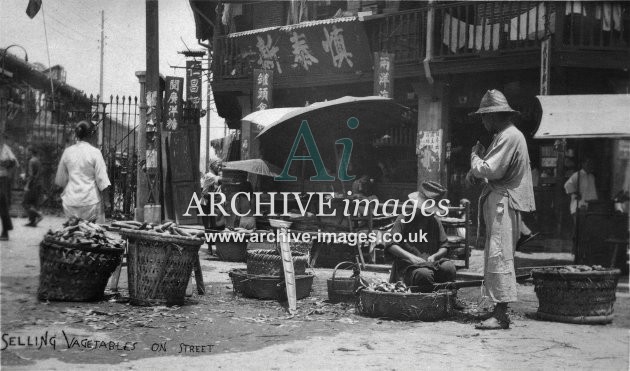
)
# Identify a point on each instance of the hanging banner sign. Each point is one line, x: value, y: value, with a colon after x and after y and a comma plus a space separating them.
x: 384, y: 75
x: 193, y: 83
x: 263, y: 86
x: 340, y: 46
x: 173, y: 102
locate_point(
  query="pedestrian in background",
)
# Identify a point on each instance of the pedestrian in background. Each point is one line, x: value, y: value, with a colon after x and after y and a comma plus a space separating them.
x: 508, y: 192
x: 33, y: 188
x: 581, y: 186
x: 7, y: 163
x: 83, y: 175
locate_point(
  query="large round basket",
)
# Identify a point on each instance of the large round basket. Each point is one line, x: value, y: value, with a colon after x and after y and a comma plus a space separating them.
x: 576, y: 297
x: 159, y: 266
x: 269, y: 287
x: 406, y: 306
x: 342, y: 288
x: 269, y: 263
x: 73, y: 272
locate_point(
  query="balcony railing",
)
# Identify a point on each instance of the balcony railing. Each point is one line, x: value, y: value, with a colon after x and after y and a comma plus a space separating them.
x: 474, y: 29
x: 485, y: 28
x: 598, y: 25
x: 402, y: 33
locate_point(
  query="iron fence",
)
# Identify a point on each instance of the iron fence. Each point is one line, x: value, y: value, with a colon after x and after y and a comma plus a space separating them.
x: 33, y: 120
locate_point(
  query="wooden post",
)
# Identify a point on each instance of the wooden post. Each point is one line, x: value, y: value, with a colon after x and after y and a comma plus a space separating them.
x: 153, y: 82
x: 141, y: 149
x: 432, y: 122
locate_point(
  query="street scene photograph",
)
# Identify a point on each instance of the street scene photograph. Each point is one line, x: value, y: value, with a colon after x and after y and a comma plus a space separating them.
x: 314, y: 185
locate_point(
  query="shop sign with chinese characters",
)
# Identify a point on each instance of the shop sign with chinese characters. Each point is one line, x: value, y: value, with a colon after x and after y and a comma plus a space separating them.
x: 173, y: 102
x: 263, y: 86
x: 193, y: 83
x: 384, y: 75
x: 339, y: 47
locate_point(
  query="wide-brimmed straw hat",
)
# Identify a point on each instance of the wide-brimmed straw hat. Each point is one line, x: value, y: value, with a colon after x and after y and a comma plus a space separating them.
x: 493, y: 102
x: 429, y: 190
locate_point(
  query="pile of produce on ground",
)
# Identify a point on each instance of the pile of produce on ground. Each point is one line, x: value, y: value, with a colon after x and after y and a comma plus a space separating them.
x: 572, y: 269
x: 165, y: 228
x: 388, y: 287
x: 83, y: 232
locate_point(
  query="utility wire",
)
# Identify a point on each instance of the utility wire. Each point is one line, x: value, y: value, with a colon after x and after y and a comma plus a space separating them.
x: 63, y: 34
x: 77, y: 18
x: 71, y: 29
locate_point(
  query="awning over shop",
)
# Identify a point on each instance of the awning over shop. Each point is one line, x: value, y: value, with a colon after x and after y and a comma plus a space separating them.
x: 266, y: 117
x: 584, y: 116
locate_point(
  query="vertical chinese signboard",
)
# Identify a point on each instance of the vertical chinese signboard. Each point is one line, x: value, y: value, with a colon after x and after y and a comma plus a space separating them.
x: 384, y: 75
x: 173, y: 102
x: 193, y: 83
x: 263, y: 86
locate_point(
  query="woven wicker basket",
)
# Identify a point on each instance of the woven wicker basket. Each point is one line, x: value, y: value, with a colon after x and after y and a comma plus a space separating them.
x: 159, y: 266
x: 268, y: 287
x: 342, y: 288
x: 70, y: 272
x: 269, y: 263
x: 576, y: 297
x: 406, y: 306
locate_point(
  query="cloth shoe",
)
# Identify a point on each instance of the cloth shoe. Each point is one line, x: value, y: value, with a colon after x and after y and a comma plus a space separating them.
x: 499, y: 320
x: 493, y: 323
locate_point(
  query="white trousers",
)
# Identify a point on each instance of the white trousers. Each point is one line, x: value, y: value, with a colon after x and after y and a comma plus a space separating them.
x: 502, y: 234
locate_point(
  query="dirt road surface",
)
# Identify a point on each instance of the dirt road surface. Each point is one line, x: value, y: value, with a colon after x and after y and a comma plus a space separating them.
x: 221, y: 330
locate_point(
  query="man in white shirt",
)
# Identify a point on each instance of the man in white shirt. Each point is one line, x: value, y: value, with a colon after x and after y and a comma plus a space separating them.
x: 83, y: 175
x: 581, y: 186
x: 7, y: 163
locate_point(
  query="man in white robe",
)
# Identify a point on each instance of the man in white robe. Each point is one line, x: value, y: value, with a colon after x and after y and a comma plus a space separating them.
x: 505, y: 167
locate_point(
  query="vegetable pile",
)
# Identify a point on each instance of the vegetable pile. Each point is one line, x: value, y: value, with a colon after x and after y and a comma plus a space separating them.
x: 574, y: 269
x: 167, y: 228
x: 389, y: 287
x: 83, y: 232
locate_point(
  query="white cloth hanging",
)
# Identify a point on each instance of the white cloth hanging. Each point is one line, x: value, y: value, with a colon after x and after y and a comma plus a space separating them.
x: 609, y: 12
x: 574, y: 7
x: 531, y: 25
x: 484, y: 37
x: 454, y: 32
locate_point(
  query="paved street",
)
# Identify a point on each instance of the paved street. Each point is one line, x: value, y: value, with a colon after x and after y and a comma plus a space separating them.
x: 230, y: 332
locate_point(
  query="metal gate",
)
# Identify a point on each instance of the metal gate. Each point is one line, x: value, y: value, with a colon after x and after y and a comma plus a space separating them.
x: 49, y: 126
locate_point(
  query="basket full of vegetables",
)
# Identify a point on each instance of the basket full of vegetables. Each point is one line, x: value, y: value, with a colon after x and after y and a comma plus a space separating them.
x: 76, y: 261
x: 160, y: 260
x: 397, y: 301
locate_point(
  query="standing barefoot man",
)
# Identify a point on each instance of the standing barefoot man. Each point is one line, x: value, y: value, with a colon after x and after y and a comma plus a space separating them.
x: 508, y: 191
